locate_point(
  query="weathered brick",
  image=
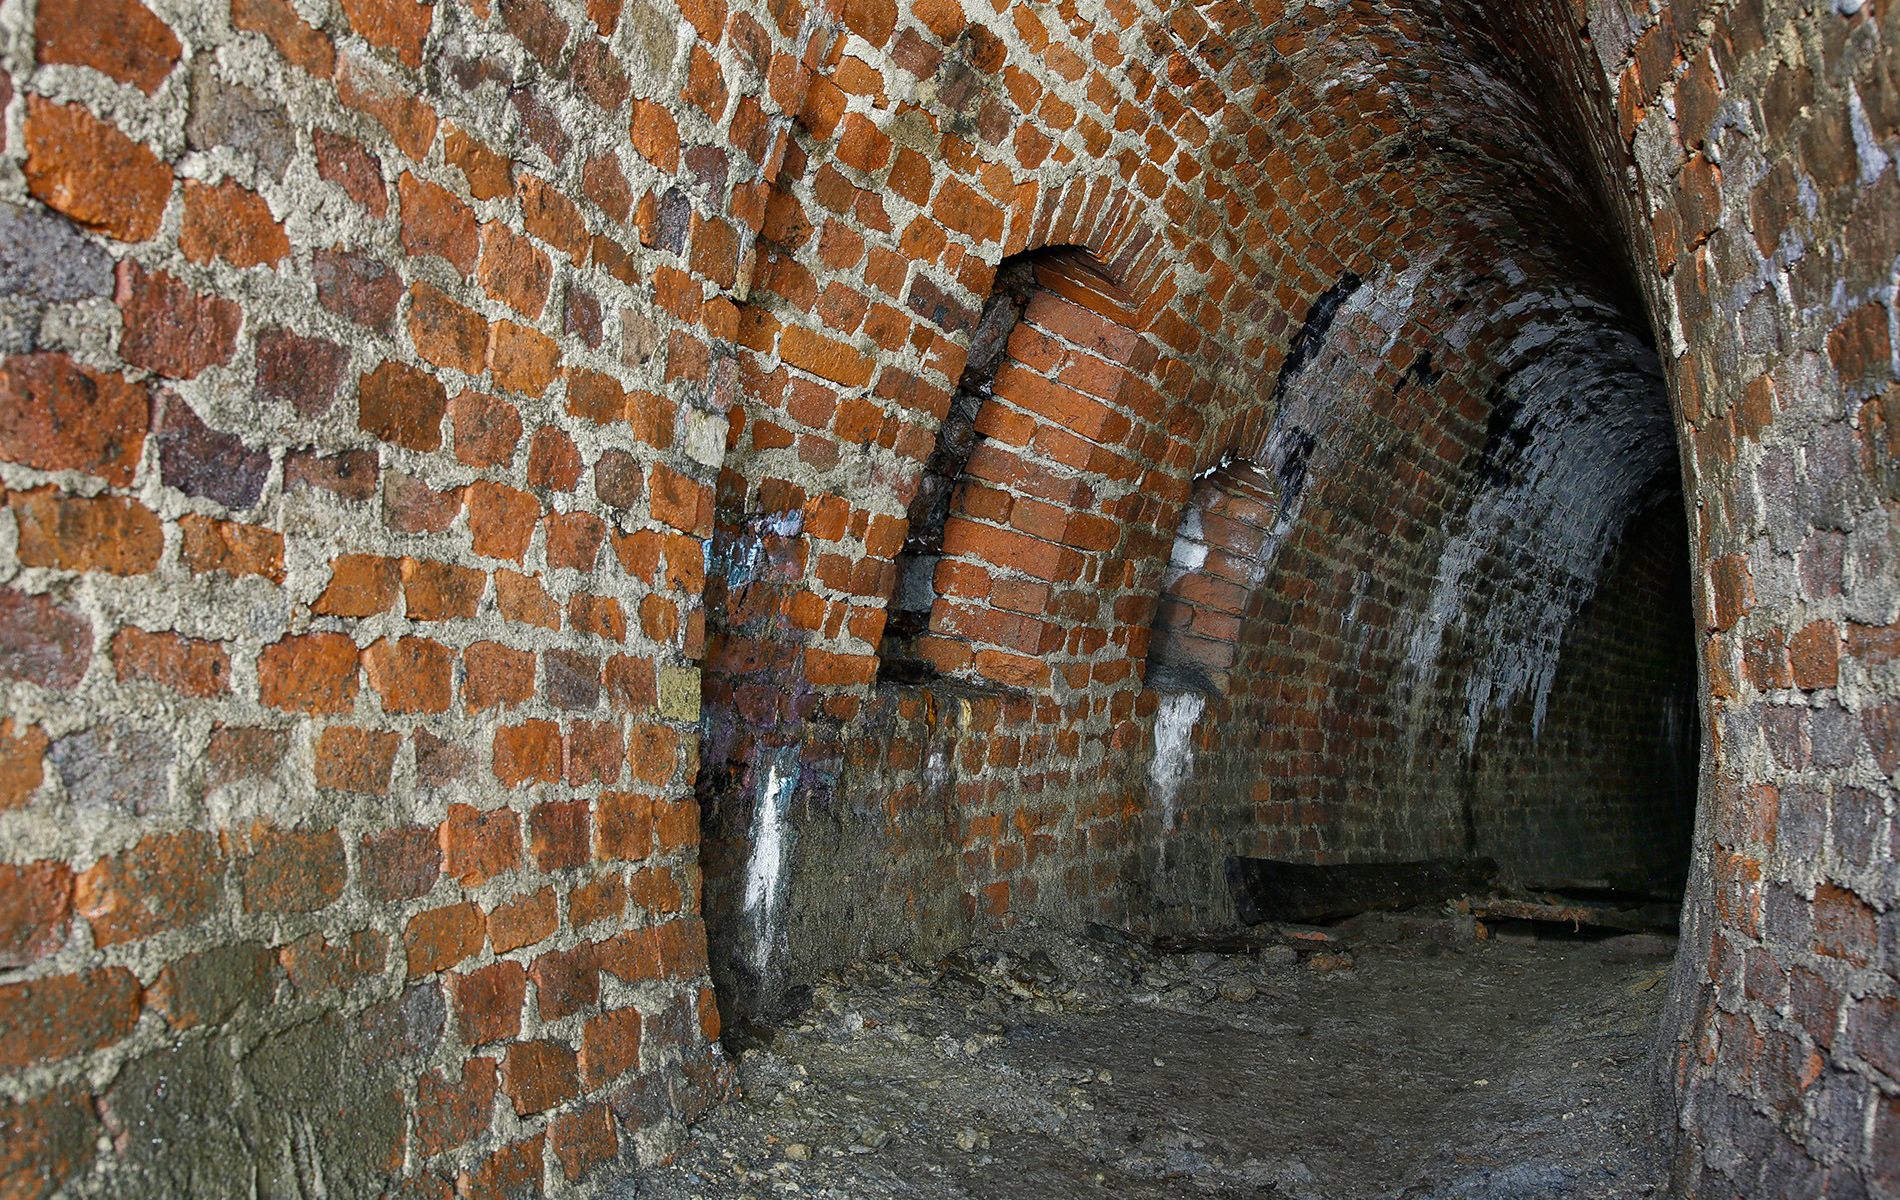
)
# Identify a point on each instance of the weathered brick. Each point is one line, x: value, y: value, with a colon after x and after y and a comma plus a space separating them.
x: 539, y: 1075
x: 166, y: 881
x: 170, y: 328
x: 185, y: 665
x: 113, y: 534
x: 289, y: 870
x: 349, y: 759
x: 58, y: 1017
x: 311, y: 673
x: 58, y: 415
x: 229, y: 221
x: 87, y: 169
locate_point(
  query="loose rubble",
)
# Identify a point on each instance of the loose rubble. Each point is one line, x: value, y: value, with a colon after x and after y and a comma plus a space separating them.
x: 1393, y: 1057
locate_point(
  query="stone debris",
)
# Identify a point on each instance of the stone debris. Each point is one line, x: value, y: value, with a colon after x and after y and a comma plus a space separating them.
x: 1049, y: 1065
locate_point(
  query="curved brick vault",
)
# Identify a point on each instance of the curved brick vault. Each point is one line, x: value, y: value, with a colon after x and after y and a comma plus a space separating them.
x: 459, y: 459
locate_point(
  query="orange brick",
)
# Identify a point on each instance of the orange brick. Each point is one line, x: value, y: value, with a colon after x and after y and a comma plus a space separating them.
x: 187, y: 666
x: 114, y: 534
x: 399, y: 26
x: 446, y: 333
x: 412, y: 675
x: 229, y: 221
x: 302, y: 46
x: 231, y: 547
x: 58, y: 415
x: 514, y: 270
x: 81, y: 166
x: 311, y: 673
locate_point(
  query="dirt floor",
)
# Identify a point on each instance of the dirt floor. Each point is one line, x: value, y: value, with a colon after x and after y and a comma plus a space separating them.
x: 1403, y: 1058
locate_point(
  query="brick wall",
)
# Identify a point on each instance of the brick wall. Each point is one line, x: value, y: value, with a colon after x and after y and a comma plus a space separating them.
x: 402, y: 401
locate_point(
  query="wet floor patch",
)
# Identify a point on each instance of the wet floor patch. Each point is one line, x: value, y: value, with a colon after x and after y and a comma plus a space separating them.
x: 1401, y: 1058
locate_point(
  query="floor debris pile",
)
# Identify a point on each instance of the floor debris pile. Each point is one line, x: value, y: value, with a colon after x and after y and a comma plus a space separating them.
x: 1395, y: 1056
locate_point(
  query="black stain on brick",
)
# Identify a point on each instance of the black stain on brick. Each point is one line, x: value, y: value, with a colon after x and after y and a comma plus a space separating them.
x: 1306, y: 344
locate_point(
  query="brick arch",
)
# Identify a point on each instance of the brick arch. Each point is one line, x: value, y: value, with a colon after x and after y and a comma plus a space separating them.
x: 1028, y: 585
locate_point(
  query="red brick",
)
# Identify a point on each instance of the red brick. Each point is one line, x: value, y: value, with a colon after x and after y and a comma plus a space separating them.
x: 35, y: 910
x: 539, y: 1075
x: 289, y: 870
x: 81, y: 166
x: 623, y: 827
x: 399, y: 864
x: 310, y: 673
x: 523, y: 921
x: 594, y: 753
x: 523, y: 360
x: 113, y: 534
x: 58, y: 415
x: 501, y: 519
x: 21, y: 762
x: 486, y: 430
x: 446, y: 333
x: 361, y: 585
x: 315, y: 964
x: 391, y: 103
x: 434, y: 591
x: 49, y: 1020
x: 553, y: 461
x: 403, y: 405
x: 529, y: 752
x: 434, y: 222
x: 478, y: 846
x: 120, y: 38
x: 1843, y: 924
x: 488, y: 1002
x: 204, y: 988
x: 301, y: 46
x: 1815, y: 653
x: 187, y: 666
x: 584, y: 1139
x: 553, y: 218
x: 399, y: 26
x: 610, y: 1046
x: 356, y: 760
x: 604, y: 898
x: 166, y: 881
x: 412, y: 675
x: 514, y: 270
x: 454, y: 1112
x: 655, y: 890
x: 412, y: 506
x: 496, y: 676
x: 558, y: 835
x: 352, y: 167
x: 442, y: 937
x: 45, y: 1141
x: 231, y: 547
x: 523, y: 600
x: 508, y: 1173
x: 239, y: 753
x: 490, y: 175
x: 229, y: 221
x: 42, y: 642
x: 574, y: 540
x: 169, y: 328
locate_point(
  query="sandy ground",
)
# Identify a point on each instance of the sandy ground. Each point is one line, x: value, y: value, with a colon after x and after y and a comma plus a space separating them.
x: 1404, y: 1058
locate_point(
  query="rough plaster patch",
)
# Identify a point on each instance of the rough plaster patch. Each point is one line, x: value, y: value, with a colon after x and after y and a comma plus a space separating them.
x: 763, y: 878
x: 1174, y: 748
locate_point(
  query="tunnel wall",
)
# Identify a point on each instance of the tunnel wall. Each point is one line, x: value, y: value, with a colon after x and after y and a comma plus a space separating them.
x: 403, y: 401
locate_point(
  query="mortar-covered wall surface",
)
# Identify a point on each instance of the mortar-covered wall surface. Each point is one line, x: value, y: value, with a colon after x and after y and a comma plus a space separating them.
x: 457, y: 456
